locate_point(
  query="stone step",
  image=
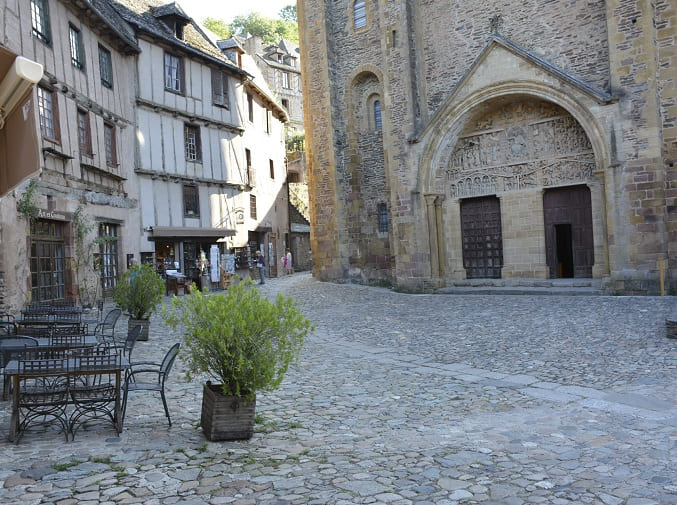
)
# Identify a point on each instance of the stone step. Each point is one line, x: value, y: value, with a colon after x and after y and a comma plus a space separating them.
x: 564, y: 287
x: 521, y: 290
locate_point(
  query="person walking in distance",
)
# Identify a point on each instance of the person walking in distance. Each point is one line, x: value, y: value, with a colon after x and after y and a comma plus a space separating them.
x: 261, y: 265
x: 288, y: 266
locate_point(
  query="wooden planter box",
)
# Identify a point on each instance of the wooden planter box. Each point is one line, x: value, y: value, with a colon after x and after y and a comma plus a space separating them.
x: 226, y: 417
x: 144, y: 323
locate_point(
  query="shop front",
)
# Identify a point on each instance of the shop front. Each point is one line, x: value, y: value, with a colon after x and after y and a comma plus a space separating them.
x: 188, y: 252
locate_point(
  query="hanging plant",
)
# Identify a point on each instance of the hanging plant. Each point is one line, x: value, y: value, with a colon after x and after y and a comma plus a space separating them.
x: 26, y: 205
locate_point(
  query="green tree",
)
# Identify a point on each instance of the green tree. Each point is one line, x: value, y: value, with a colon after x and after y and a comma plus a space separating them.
x: 219, y: 27
x: 270, y: 30
x: 289, y: 13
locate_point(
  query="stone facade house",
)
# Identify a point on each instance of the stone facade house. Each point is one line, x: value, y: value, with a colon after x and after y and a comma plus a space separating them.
x: 479, y: 144
x: 84, y: 192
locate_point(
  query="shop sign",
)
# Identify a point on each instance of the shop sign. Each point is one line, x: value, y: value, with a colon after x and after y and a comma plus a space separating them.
x: 50, y: 214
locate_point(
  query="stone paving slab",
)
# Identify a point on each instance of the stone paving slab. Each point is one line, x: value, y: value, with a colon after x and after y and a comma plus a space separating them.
x: 402, y: 399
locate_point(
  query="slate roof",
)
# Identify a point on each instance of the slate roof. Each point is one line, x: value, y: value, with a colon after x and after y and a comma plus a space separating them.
x: 145, y: 16
x: 170, y: 9
x: 290, y: 47
x: 103, y: 11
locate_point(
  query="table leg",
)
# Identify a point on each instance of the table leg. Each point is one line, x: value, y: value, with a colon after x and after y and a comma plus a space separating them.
x: 14, y: 420
x: 118, y: 414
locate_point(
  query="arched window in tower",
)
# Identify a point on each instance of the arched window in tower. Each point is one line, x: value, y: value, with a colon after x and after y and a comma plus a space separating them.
x: 359, y: 14
x: 378, y: 124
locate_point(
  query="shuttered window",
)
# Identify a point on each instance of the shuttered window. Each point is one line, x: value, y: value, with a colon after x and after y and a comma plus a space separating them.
x: 220, y: 89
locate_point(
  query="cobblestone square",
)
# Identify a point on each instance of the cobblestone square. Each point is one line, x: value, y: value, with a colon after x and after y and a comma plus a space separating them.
x: 401, y: 399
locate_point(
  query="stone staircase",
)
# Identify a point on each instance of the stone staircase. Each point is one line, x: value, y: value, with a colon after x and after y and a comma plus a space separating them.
x: 562, y: 287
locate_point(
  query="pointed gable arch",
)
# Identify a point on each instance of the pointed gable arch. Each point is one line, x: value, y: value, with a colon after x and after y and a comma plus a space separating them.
x: 523, y: 75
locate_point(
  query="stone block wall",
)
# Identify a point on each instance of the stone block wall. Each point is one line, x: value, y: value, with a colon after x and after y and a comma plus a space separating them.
x: 523, y: 240
x: 420, y: 52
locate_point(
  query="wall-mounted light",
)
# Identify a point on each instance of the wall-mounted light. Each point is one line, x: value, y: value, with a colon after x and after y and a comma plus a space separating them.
x: 21, y: 76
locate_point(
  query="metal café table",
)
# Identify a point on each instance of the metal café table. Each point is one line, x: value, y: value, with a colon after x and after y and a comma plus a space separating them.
x: 73, y: 367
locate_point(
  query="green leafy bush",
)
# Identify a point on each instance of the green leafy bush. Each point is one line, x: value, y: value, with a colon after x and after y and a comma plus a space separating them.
x: 139, y: 291
x: 240, y: 339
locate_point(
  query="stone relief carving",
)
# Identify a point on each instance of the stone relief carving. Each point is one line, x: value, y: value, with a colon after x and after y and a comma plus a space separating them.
x: 519, y: 146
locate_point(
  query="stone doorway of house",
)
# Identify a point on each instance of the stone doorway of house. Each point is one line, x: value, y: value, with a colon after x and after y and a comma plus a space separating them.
x: 482, y: 238
x: 568, y: 232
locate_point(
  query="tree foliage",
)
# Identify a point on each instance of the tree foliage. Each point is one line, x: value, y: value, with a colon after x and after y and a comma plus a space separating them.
x: 139, y: 291
x: 240, y: 338
x: 219, y: 27
x: 289, y: 13
x: 271, y: 30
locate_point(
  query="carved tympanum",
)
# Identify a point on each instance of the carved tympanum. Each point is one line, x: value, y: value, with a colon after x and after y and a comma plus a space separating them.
x: 518, y: 146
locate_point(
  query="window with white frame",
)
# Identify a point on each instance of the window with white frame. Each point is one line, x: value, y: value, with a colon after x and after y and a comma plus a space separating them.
x: 40, y: 21
x: 285, y: 80
x: 77, y: 49
x: 49, y: 114
x: 359, y: 14
x: 105, y: 67
x: 220, y: 89
x: 174, y: 73
x: 192, y: 142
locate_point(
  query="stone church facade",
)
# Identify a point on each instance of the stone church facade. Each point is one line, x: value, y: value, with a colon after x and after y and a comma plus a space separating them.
x: 448, y: 143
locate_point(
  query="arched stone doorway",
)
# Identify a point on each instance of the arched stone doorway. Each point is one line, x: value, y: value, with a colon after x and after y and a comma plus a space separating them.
x: 516, y: 150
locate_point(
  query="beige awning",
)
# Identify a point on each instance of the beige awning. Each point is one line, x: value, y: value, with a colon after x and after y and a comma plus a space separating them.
x: 19, y: 140
x: 184, y: 232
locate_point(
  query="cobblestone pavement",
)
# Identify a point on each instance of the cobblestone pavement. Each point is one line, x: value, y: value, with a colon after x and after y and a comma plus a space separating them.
x: 402, y: 399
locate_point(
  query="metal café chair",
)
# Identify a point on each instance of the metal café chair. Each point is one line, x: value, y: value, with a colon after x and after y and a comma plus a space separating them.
x: 42, y: 393
x: 149, y: 376
x: 7, y: 325
x: 94, y: 389
x: 105, y: 330
x: 15, y: 348
x: 127, y: 346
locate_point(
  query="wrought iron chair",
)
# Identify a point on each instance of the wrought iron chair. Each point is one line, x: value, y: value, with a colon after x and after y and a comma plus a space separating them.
x: 128, y: 345
x: 42, y: 393
x: 16, y: 347
x: 105, y: 330
x: 159, y: 370
x: 93, y: 389
x: 7, y: 325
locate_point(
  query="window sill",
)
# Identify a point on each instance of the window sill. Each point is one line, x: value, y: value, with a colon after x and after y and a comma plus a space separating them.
x: 175, y: 92
x: 56, y: 153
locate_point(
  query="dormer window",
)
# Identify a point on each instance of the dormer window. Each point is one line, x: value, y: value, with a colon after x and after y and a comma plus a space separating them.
x: 173, y: 16
x: 178, y: 30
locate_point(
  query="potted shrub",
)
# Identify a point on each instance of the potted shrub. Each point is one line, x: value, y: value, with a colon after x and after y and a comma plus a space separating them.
x: 139, y: 292
x: 243, y: 341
